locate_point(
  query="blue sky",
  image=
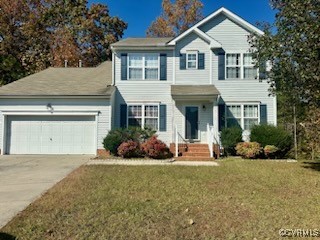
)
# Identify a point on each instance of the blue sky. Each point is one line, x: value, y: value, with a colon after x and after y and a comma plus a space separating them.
x: 140, y: 13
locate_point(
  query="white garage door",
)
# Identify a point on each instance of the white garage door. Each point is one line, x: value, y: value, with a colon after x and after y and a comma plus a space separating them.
x: 51, y: 135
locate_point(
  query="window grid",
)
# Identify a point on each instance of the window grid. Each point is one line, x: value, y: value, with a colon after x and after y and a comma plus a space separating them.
x: 245, y: 115
x: 240, y: 66
x: 192, y: 60
x: 143, y: 66
x: 144, y: 116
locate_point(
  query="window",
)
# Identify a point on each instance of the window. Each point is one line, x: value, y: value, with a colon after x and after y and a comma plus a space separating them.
x: 249, y: 71
x: 240, y: 66
x: 143, y: 66
x: 192, y: 60
x: 233, y: 65
x: 143, y: 116
x: 242, y: 115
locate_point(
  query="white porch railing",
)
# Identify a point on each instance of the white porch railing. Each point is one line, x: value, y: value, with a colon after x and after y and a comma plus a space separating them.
x: 178, y: 140
x: 213, y: 137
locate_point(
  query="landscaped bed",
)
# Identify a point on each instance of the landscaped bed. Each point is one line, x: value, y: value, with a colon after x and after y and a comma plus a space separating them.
x: 240, y: 199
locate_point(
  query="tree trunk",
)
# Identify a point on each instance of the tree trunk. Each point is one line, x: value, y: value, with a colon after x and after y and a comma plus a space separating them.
x: 295, y: 132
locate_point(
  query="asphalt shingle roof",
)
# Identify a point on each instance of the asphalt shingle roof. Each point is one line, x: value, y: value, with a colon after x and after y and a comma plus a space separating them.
x: 94, y: 81
x: 142, y: 42
x: 194, y: 90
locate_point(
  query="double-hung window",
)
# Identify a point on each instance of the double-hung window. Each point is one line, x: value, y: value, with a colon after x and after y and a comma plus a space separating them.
x: 144, y: 116
x: 249, y: 70
x: 242, y: 115
x: 240, y: 66
x: 233, y: 65
x: 192, y: 60
x: 143, y: 66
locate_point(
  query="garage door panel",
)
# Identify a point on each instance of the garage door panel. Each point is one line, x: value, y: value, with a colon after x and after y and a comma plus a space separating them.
x: 51, y: 135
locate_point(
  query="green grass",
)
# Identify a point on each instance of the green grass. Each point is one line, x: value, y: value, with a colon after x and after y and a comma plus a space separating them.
x: 241, y: 199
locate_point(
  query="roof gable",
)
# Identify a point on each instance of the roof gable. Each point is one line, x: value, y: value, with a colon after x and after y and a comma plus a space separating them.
x: 228, y: 14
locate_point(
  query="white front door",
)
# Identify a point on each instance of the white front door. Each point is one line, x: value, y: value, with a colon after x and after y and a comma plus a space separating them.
x: 51, y: 135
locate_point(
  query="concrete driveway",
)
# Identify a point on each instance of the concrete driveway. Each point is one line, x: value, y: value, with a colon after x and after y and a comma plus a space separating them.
x: 24, y: 178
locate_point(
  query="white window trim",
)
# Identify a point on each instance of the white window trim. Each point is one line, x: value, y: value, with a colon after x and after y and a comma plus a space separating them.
x: 242, y: 66
x: 242, y: 104
x: 143, y: 117
x: 189, y: 53
x: 143, y: 55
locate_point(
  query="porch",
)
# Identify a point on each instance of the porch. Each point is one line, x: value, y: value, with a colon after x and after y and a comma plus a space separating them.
x: 195, y: 122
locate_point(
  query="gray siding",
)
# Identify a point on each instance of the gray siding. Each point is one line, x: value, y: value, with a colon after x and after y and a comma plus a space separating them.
x: 192, y: 76
x: 66, y: 105
x: 232, y: 36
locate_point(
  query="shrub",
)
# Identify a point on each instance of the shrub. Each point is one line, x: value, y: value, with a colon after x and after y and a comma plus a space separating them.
x: 155, y: 148
x: 129, y: 149
x: 117, y: 136
x: 272, y: 135
x: 249, y: 149
x: 229, y: 139
x: 270, y: 151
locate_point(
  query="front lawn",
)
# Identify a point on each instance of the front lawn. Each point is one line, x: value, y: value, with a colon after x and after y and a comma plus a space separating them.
x: 238, y: 200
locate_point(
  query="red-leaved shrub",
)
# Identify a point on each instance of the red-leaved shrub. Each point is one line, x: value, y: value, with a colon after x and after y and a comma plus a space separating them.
x: 129, y: 149
x: 249, y: 149
x: 155, y: 148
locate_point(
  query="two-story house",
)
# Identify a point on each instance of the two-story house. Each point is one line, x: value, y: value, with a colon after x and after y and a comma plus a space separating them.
x: 192, y: 86
x: 187, y: 88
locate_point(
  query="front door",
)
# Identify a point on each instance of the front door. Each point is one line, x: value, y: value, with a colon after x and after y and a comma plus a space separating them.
x: 192, y: 119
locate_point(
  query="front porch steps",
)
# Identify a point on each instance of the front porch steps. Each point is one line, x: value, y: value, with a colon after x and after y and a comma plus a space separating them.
x: 192, y: 152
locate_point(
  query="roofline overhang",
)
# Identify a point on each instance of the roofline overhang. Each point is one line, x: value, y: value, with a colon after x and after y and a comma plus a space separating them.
x: 119, y: 48
x: 225, y: 11
x: 194, y: 97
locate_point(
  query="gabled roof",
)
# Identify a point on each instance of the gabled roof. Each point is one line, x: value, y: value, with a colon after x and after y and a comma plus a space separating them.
x: 93, y: 81
x: 222, y: 10
x: 142, y: 42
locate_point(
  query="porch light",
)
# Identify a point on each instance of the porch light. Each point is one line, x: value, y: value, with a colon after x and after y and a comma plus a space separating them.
x: 203, y: 107
x: 49, y: 107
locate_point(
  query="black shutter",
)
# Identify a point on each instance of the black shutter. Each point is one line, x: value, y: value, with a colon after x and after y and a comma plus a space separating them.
x: 201, y: 61
x: 124, y: 66
x: 263, y: 114
x: 123, y: 115
x: 183, y: 61
x: 163, y: 67
x: 262, y: 70
x: 221, y: 66
x: 163, y: 118
x: 222, y: 116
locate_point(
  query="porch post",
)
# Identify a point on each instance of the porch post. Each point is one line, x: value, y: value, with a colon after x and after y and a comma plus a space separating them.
x: 216, y: 122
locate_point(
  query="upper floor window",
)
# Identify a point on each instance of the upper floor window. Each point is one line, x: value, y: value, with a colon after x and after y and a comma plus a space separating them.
x: 240, y: 66
x: 192, y: 60
x: 143, y: 66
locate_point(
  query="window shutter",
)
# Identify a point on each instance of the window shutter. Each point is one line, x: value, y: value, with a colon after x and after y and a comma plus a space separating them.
x: 263, y: 114
x: 124, y: 66
x: 163, y: 118
x: 201, y: 61
x: 123, y: 115
x: 221, y: 66
x: 262, y: 71
x: 222, y: 116
x: 183, y: 61
x: 163, y: 67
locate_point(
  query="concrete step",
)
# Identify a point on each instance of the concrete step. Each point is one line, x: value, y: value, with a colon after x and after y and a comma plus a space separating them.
x: 194, y: 159
x: 198, y: 154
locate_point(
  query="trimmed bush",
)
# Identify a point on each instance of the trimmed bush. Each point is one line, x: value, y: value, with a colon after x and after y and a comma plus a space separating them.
x: 155, y: 148
x: 249, y: 150
x: 270, y: 151
x: 229, y: 139
x: 272, y: 135
x: 117, y: 136
x: 129, y: 149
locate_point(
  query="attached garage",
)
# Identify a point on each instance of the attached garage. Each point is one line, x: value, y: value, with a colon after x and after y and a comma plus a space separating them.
x: 51, y: 135
x: 57, y: 111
